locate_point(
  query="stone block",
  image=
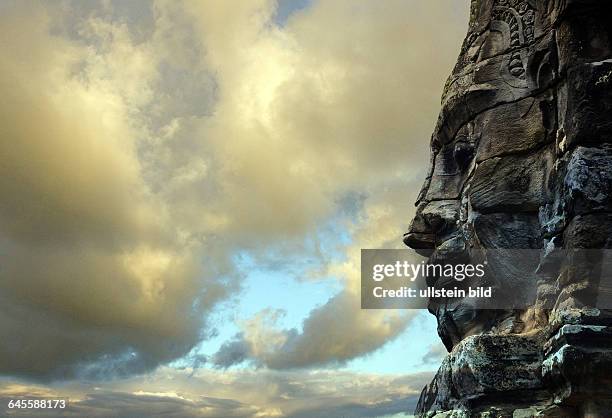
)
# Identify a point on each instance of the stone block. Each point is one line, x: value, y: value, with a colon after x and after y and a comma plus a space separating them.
x: 512, y: 183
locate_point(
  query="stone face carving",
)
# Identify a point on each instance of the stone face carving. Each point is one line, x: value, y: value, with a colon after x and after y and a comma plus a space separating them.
x: 522, y: 159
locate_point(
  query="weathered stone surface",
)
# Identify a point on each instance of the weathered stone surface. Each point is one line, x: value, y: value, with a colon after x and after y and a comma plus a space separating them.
x: 436, y: 220
x: 508, y: 233
x: 582, y: 185
x: 578, y: 363
x: 460, y: 318
x: 522, y: 159
x: 584, y: 37
x: 492, y: 363
x: 521, y: 71
x: 508, y: 230
x: 438, y: 395
x: 527, y: 123
x: 585, y: 105
x: 480, y: 365
x: 589, y: 231
x: 447, y: 175
x: 512, y: 183
x: 588, y: 180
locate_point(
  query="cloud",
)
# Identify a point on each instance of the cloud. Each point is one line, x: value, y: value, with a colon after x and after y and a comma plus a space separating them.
x: 434, y: 354
x: 338, y: 330
x: 233, y: 352
x: 92, y: 260
x: 333, y: 333
x: 206, y: 393
x: 140, y: 151
x: 315, y: 107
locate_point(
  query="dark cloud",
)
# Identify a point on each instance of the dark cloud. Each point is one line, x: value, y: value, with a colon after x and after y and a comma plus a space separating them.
x: 125, y: 405
x: 232, y: 352
x: 435, y: 353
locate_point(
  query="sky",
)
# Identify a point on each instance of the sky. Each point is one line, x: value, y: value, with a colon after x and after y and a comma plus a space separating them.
x: 186, y: 188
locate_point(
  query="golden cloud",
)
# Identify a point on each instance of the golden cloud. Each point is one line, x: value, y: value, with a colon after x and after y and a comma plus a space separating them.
x: 135, y: 162
x: 243, y: 394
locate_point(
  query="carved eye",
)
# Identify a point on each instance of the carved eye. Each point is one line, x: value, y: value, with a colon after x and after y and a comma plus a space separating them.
x: 463, y: 153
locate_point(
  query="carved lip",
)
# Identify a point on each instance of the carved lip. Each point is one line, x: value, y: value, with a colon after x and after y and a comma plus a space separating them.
x: 422, y: 243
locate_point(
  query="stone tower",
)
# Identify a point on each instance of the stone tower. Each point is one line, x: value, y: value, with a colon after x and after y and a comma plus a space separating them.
x: 521, y: 158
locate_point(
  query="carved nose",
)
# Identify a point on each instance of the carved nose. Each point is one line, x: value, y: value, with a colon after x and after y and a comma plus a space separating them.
x: 420, y: 235
x: 432, y: 220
